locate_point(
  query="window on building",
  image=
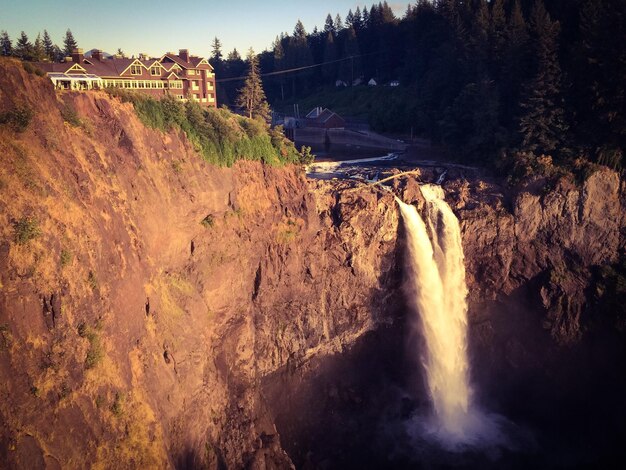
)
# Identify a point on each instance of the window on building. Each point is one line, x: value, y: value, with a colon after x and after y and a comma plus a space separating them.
x: 135, y: 69
x: 156, y: 71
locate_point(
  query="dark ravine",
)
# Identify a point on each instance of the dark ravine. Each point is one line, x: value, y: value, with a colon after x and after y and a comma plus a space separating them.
x: 272, y: 334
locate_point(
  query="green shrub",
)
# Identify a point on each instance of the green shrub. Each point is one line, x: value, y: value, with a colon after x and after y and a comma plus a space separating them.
x: 92, y: 281
x: 95, y: 353
x: 208, y: 221
x: 33, y: 69
x: 17, y: 118
x: 307, y: 156
x: 117, y: 407
x: 70, y: 115
x: 99, y: 401
x: 26, y: 229
x: 66, y: 257
x: 218, y: 135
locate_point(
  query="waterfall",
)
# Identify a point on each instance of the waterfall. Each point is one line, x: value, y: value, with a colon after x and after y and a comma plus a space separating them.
x: 437, y: 293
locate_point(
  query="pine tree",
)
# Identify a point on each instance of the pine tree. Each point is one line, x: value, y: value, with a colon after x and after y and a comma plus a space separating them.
x: 279, y: 63
x: 329, y: 25
x: 515, y: 64
x: 542, y: 125
x: 216, y: 50
x: 497, y: 31
x: 23, y: 47
x: 252, y: 97
x: 38, y: 49
x: 479, y: 37
x: 6, y: 47
x: 299, y: 55
x: 351, y: 69
x: 233, y: 55
x: 601, y: 74
x: 338, y: 23
x: 357, y: 22
x: 386, y: 13
x: 298, y: 31
x: 57, y: 52
x: 48, y: 46
x: 349, y: 21
x: 366, y: 17
x: 69, y: 43
x: 329, y: 69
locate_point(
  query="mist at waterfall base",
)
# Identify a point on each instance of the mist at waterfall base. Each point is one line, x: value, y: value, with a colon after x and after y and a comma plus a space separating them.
x: 436, y: 293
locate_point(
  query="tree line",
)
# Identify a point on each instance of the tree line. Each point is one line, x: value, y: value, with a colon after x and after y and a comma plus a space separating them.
x: 42, y: 49
x: 488, y: 79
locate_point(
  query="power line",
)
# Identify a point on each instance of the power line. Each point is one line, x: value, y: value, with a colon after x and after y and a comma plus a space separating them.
x: 297, y: 69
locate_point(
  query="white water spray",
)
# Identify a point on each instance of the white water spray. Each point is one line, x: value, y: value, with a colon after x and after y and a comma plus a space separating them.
x: 437, y: 291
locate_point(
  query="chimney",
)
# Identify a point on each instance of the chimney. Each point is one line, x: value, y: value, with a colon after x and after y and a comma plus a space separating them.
x: 77, y: 55
x: 184, y: 54
x: 96, y: 54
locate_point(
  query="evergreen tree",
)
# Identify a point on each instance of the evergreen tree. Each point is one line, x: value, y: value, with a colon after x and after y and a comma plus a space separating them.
x: 497, y: 35
x: 252, y: 97
x: 515, y: 64
x: 349, y: 21
x: 357, y: 21
x: 120, y: 53
x: 299, y: 55
x: 338, y: 23
x: 279, y: 63
x: 233, y: 55
x: 216, y: 50
x: 329, y: 69
x: 365, y: 22
x: 329, y: 25
x: 6, y: 47
x: 69, y: 43
x: 351, y: 69
x: 479, y: 38
x: 39, y: 52
x: 57, y: 53
x: 299, y: 33
x: 601, y: 73
x: 48, y: 46
x: 23, y: 47
x: 542, y: 125
x: 386, y: 13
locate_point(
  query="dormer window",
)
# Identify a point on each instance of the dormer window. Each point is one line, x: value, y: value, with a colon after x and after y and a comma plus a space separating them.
x: 135, y: 69
x: 156, y: 71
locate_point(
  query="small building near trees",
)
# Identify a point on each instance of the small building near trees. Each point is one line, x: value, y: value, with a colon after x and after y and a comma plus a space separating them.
x: 324, y: 118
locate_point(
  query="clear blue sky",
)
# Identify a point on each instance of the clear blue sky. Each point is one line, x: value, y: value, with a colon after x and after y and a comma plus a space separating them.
x: 158, y: 26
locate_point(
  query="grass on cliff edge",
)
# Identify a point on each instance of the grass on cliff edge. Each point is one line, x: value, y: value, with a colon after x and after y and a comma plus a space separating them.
x: 221, y: 137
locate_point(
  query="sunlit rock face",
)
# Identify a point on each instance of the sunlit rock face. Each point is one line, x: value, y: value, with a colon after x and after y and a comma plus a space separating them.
x: 184, y: 284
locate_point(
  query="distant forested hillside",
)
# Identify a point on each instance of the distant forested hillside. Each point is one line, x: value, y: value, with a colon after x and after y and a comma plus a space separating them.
x: 494, y: 81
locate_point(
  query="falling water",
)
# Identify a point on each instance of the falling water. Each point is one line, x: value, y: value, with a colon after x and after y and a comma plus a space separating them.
x: 437, y: 291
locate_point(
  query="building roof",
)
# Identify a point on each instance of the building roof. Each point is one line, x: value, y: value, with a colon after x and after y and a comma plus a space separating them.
x: 326, y: 115
x: 115, y: 66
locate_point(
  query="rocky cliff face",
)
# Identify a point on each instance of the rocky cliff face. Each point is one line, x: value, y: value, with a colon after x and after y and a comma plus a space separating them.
x: 144, y: 293
x: 150, y: 303
x: 548, y: 235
